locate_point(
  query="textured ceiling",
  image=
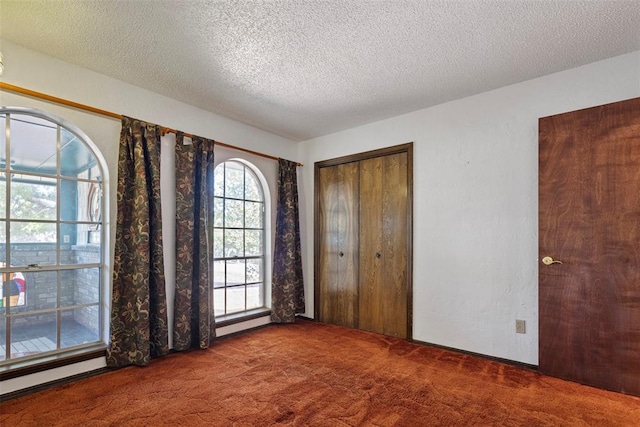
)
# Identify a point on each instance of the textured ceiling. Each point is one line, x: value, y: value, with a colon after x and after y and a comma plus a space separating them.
x: 303, y: 68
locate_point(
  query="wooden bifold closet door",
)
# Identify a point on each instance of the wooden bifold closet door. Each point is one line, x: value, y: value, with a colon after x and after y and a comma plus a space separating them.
x: 338, y: 257
x: 363, y: 241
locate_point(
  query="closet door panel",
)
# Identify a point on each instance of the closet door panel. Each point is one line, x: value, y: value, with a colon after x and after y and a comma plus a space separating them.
x: 338, y: 234
x: 371, y: 297
x: 327, y: 265
x: 347, y: 213
x: 394, y: 244
x: 363, y: 241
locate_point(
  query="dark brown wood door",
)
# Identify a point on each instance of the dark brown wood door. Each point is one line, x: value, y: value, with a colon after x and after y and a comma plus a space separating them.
x: 337, y: 221
x: 383, y: 245
x: 589, y: 219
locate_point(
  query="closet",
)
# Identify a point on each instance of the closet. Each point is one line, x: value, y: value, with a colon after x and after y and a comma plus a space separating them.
x: 363, y: 241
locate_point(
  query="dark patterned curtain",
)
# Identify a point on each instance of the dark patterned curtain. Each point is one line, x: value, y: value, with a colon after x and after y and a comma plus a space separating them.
x: 287, y: 286
x: 139, y: 329
x: 194, y: 317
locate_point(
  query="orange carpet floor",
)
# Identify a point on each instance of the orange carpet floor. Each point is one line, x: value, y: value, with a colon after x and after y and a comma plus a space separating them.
x: 313, y: 374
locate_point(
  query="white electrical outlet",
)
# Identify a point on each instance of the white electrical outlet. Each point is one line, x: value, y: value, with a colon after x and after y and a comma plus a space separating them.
x: 521, y: 327
x: 65, y: 238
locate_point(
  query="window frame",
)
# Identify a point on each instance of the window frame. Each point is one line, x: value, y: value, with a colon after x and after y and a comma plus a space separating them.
x: 251, y: 170
x: 17, y: 366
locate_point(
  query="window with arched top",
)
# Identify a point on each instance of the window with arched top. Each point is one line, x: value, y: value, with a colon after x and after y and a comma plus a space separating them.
x: 239, y: 235
x: 52, y: 237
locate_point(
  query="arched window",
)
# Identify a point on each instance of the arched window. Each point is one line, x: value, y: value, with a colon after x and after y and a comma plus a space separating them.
x: 239, y: 235
x: 52, y: 237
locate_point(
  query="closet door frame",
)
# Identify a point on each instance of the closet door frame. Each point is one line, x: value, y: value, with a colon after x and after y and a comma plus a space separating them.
x: 402, y: 148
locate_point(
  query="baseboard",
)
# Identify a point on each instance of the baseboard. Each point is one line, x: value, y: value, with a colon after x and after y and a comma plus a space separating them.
x: 480, y: 355
x: 456, y: 350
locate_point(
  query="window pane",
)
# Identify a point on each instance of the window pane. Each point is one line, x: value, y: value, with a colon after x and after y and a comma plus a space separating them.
x: 218, y: 180
x: 234, y: 180
x: 3, y: 196
x: 219, y: 301
x: 254, y: 270
x: 254, y: 296
x: 33, y: 334
x: 94, y: 203
x: 252, y: 189
x: 33, y: 144
x: 80, y: 201
x: 73, y: 197
x: 3, y: 246
x: 32, y: 198
x: 67, y: 288
x: 218, y: 274
x: 78, y: 287
x: 3, y: 336
x: 75, y: 156
x: 235, y: 299
x: 33, y: 232
x: 42, y: 290
x: 233, y: 244
x: 75, y: 246
x: 253, y: 242
x: 23, y: 254
x: 218, y: 212
x: 235, y: 272
x: 234, y: 213
x: 218, y: 244
x: 253, y: 214
x: 3, y: 135
x: 79, y: 326
x: 13, y: 288
x: 68, y: 238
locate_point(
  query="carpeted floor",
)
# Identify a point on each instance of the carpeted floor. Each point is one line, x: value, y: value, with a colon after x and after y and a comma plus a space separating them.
x: 313, y: 374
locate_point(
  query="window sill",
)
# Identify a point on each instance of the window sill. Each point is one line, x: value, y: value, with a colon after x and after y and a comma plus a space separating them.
x: 27, y: 367
x: 233, y: 319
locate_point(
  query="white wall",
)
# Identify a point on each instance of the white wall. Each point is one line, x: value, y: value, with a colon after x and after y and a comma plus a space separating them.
x: 44, y: 74
x: 475, y: 202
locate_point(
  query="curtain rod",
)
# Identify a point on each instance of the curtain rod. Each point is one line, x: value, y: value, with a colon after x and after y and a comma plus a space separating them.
x: 66, y: 102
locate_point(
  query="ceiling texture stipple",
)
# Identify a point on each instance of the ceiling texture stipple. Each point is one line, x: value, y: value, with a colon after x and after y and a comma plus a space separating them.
x: 303, y: 69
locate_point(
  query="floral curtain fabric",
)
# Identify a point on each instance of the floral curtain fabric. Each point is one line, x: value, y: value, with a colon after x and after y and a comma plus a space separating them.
x: 287, y: 295
x: 139, y: 329
x: 193, y: 314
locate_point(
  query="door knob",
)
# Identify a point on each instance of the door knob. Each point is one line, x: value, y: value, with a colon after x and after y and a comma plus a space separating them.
x: 341, y: 253
x: 378, y: 255
x: 548, y: 261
